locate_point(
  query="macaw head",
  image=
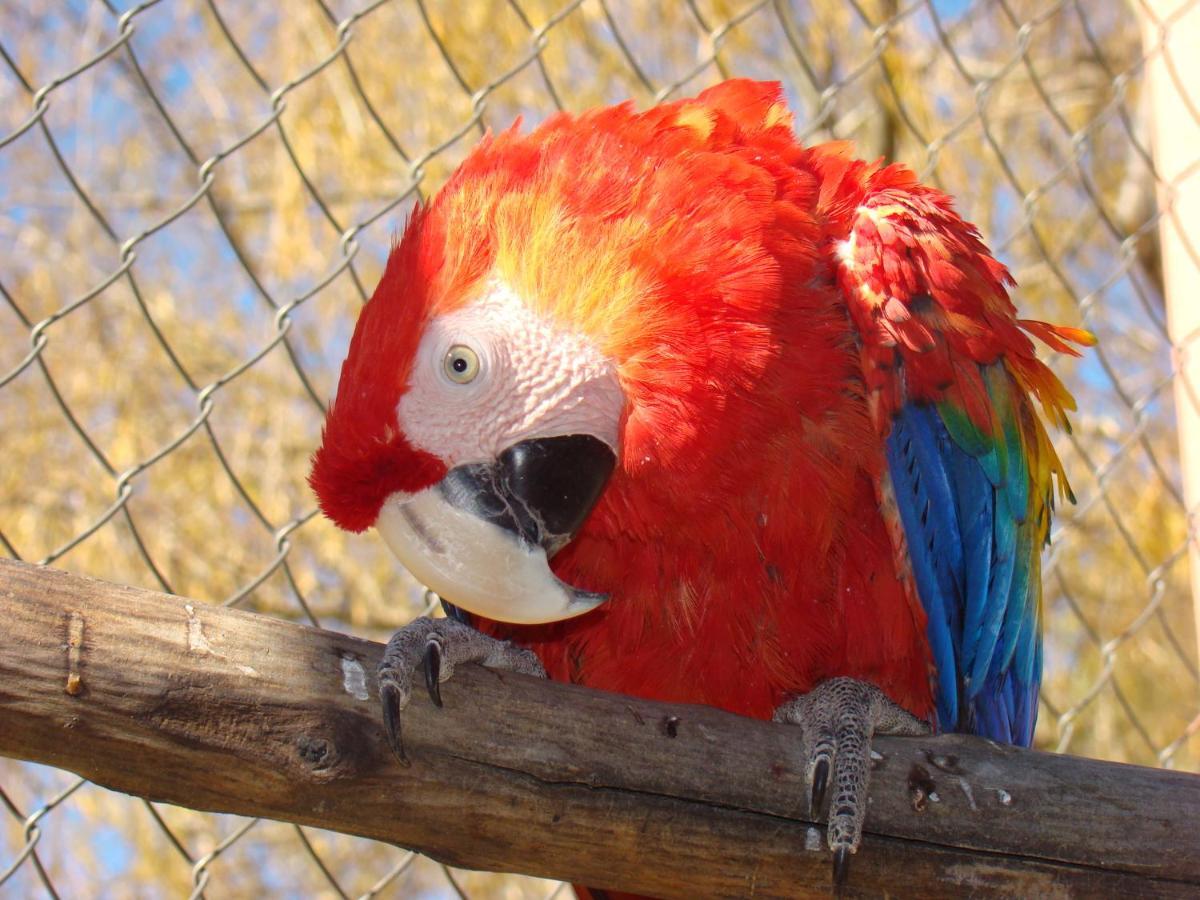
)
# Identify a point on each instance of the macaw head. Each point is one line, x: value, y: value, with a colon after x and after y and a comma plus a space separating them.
x: 564, y: 326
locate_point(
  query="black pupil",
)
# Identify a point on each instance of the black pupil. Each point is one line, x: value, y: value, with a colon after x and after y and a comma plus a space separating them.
x: 459, y: 365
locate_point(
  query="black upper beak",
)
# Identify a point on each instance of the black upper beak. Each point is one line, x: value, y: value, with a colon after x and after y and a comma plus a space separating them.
x: 541, y: 489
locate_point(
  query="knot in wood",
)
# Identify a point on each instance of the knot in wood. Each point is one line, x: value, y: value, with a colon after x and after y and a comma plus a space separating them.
x: 317, y: 752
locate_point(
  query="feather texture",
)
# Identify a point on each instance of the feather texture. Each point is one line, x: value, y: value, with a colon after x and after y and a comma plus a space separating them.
x: 952, y: 373
x: 830, y: 462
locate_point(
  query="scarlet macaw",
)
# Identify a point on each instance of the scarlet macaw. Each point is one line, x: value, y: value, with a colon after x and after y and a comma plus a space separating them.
x: 668, y: 404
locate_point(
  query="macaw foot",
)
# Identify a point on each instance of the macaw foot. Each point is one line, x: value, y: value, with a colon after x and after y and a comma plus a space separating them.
x: 438, y: 645
x: 837, y: 720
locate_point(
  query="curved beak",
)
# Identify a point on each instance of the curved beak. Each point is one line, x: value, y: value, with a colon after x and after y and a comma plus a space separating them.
x: 483, y: 536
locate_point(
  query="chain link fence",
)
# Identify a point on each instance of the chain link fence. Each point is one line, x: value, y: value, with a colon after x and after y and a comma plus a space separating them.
x: 196, y: 196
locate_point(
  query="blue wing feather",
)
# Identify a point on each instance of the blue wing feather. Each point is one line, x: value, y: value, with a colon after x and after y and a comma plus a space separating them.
x: 1002, y: 549
x: 935, y: 583
x: 964, y: 502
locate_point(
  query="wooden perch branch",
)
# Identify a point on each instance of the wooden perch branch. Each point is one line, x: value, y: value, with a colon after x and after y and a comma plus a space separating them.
x: 221, y: 710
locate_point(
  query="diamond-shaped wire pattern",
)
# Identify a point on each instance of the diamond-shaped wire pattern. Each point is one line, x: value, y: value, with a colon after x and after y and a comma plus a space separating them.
x: 196, y: 196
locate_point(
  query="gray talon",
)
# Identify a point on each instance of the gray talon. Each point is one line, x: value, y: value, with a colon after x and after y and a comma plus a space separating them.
x: 433, y: 670
x: 437, y: 646
x: 841, y: 867
x: 820, y: 783
x: 390, y: 695
x: 837, y: 720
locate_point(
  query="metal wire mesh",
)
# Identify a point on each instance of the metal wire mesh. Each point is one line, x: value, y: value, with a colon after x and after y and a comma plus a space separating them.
x: 196, y: 195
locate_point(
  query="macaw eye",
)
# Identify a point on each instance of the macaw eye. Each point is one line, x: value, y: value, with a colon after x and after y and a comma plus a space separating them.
x: 461, y: 364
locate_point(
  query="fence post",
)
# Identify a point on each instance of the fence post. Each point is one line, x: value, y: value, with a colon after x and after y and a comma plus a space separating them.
x: 1171, y: 38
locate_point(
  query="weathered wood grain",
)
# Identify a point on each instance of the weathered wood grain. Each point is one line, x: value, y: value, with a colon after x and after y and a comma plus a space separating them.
x: 222, y: 710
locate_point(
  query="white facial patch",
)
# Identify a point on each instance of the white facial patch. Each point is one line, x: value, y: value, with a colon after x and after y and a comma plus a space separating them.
x: 534, y: 379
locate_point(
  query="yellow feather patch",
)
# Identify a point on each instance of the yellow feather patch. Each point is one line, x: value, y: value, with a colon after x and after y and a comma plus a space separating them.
x: 697, y: 118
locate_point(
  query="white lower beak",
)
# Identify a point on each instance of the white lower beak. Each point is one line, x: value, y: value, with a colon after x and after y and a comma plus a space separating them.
x: 475, y: 564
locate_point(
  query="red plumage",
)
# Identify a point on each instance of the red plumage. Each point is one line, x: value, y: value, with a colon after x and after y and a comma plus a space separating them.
x: 363, y: 457
x: 768, y: 307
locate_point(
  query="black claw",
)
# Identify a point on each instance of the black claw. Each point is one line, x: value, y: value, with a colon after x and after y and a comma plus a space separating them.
x: 433, y: 671
x: 390, y: 695
x: 820, y: 783
x: 841, y: 866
